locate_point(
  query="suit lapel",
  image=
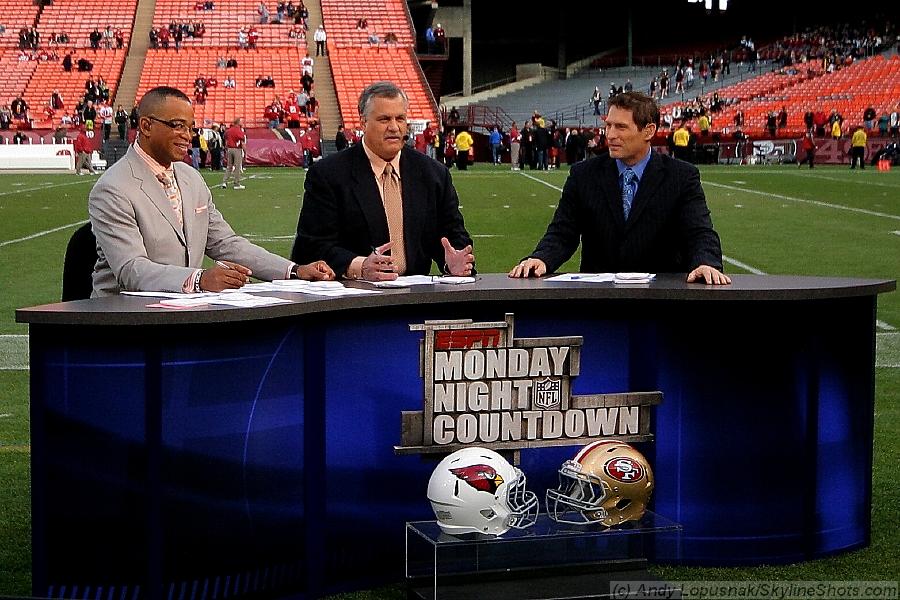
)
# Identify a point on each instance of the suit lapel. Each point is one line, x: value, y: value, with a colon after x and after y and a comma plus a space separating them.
x: 155, y: 192
x: 650, y: 181
x: 188, y: 204
x: 365, y: 189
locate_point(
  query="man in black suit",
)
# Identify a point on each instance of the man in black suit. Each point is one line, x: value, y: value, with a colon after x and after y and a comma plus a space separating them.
x: 381, y: 209
x: 633, y: 209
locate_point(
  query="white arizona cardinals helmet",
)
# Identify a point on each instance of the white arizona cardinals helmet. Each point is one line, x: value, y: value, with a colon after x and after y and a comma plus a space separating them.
x: 475, y: 490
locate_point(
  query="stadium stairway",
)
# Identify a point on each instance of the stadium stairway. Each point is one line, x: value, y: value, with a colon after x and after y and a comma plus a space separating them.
x: 137, y: 54
x: 329, y: 115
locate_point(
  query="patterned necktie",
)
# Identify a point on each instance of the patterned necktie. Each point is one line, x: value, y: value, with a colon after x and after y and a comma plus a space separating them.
x: 172, y: 194
x: 628, y: 178
x: 393, y: 208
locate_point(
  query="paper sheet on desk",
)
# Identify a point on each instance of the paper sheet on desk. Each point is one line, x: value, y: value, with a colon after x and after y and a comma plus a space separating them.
x: 583, y: 277
x: 404, y: 281
x: 169, y: 294
x: 300, y: 286
x: 633, y: 278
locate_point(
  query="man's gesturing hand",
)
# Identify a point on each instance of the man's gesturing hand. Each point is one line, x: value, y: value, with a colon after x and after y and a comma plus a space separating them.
x: 460, y: 263
x: 377, y: 266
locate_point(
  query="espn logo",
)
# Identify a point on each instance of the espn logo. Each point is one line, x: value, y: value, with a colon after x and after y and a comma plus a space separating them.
x: 450, y: 339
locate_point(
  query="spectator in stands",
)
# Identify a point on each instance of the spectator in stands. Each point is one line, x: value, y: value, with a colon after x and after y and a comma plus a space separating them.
x: 56, y: 100
x: 312, y: 105
x: 235, y: 140
x: 178, y: 38
x: 858, y: 148
x: 772, y: 123
x: 390, y: 38
x: 121, y: 119
x: 19, y: 108
x: 228, y: 82
x: 782, y: 117
x: 320, y: 38
x: 95, y: 37
x: 372, y: 37
x: 5, y: 117
x: 596, y: 99
x: 263, y: 12
x: 20, y: 138
x: 895, y: 121
x: 306, y: 65
x: 272, y: 114
x: 59, y: 134
x: 453, y: 116
x: 674, y: 236
x: 164, y: 36
x: 440, y: 38
x: 869, y: 118
x: 105, y: 114
x: 119, y: 36
x: 154, y: 38
x: 297, y: 33
x: 306, y: 81
x: 343, y: 188
x: 231, y: 63
x: 133, y: 117
x: 252, y: 37
x: 200, y: 94
x: 280, y: 12
x: 108, y: 37
x: 340, y: 139
x: 67, y: 62
x: 82, y: 147
x: 242, y: 38
x: 89, y: 114
x: 428, y: 135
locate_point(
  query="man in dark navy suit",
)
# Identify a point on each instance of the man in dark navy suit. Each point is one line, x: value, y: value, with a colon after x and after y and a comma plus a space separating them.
x: 381, y: 209
x: 632, y: 209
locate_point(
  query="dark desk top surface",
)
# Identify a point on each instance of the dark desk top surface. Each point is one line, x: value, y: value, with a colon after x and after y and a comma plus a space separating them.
x: 133, y: 310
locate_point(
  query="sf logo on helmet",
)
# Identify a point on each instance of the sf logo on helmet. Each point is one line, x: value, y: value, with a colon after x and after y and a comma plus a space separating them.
x: 624, y: 469
x: 481, y: 477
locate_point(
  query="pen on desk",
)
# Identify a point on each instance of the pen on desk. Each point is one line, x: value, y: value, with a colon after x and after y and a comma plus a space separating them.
x: 223, y: 265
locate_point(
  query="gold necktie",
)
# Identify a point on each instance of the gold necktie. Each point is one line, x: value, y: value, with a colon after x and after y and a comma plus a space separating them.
x: 393, y: 208
x: 172, y: 194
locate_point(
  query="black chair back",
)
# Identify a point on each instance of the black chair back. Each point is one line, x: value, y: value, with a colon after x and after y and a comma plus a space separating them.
x: 81, y: 256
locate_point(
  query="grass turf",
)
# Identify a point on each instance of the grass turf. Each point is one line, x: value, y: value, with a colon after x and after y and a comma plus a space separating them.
x: 778, y: 220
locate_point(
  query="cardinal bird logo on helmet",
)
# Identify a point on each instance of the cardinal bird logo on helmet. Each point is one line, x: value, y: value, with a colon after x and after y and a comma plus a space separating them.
x: 481, y: 477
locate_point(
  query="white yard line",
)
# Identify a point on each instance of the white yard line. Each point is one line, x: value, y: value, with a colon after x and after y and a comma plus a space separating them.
x: 41, y: 233
x: 872, y: 213
x: 46, y: 187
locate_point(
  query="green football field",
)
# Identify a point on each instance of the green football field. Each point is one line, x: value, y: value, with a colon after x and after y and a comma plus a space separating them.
x: 772, y: 219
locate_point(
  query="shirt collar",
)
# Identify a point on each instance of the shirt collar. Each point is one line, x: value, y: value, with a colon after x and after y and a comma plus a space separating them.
x: 638, y: 168
x: 155, y: 167
x: 379, y: 163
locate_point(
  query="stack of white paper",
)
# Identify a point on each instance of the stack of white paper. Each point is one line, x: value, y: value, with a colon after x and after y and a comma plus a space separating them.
x: 633, y: 278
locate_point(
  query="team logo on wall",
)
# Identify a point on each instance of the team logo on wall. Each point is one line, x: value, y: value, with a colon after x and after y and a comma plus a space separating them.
x: 484, y: 387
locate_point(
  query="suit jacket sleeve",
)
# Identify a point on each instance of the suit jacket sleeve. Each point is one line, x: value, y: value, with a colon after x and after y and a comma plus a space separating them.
x: 121, y: 239
x: 318, y: 228
x: 564, y: 232
x: 222, y: 243
x: 700, y: 241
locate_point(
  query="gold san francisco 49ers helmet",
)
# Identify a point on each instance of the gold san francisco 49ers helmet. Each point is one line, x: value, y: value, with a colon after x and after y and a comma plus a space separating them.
x: 607, y: 482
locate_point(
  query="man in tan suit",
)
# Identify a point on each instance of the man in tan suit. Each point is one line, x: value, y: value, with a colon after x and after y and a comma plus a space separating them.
x: 154, y: 217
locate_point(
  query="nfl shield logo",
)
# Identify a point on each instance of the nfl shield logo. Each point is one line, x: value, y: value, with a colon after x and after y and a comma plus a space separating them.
x: 546, y: 393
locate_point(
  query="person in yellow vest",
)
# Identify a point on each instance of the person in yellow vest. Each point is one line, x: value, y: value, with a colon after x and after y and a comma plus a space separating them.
x: 836, y: 129
x: 681, y: 138
x: 464, y: 143
x: 858, y: 148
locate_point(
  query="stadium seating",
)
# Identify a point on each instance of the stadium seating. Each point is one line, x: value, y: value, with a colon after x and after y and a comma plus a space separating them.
x: 166, y: 67
x: 222, y: 23
x: 355, y: 63
x: 78, y: 18
x: 384, y: 16
x: 14, y: 74
x: 14, y: 15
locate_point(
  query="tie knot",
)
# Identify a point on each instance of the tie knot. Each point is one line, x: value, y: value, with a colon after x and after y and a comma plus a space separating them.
x: 164, y: 179
x: 388, y: 170
x: 628, y: 176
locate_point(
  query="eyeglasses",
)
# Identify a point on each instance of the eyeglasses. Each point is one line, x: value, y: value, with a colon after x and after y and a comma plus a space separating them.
x: 176, y: 126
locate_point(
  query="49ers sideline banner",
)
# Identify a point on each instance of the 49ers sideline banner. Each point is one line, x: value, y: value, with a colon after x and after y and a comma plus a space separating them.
x: 484, y: 387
